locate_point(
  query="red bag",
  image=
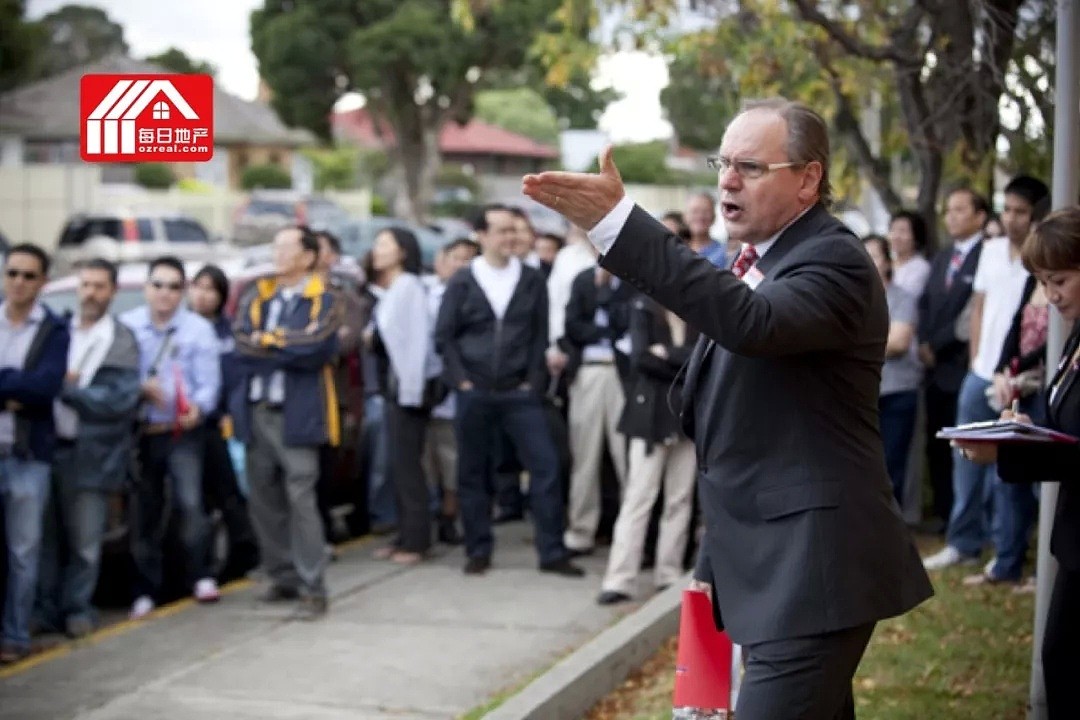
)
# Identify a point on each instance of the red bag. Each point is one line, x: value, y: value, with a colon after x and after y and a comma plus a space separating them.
x: 703, y: 664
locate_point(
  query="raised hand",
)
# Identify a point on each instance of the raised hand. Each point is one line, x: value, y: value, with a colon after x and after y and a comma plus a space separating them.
x: 582, y: 198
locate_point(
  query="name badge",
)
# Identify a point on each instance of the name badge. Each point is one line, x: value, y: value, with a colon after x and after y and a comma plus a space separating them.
x: 753, y: 278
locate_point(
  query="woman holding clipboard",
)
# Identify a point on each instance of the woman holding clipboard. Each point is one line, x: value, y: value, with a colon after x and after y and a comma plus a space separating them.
x: 1052, y: 254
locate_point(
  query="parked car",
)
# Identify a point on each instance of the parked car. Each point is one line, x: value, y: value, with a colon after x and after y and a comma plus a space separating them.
x: 267, y: 211
x: 133, y: 238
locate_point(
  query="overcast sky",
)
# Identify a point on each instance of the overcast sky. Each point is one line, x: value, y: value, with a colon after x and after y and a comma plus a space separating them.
x: 217, y: 31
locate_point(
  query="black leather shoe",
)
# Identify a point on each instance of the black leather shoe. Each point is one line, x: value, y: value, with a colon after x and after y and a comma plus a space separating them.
x: 562, y: 567
x: 610, y: 597
x: 572, y: 553
x: 502, y: 517
x: 277, y: 594
x: 477, y: 565
x: 448, y: 532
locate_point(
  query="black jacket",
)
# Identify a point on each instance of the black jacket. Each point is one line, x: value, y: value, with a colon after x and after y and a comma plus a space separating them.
x: 654, y: 390
x: 1031, y: 462
x: 939, y: 309
x: 490, y: 353
x: 581, y: 327
x: 802, y: 534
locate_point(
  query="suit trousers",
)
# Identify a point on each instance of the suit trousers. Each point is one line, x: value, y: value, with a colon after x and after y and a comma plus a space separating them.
x: 1061, y: 646
x: 596, y: 404
x: 806, y: 678
x: 675, y: 466
x: 405, y: 428
x: 940, y: 412
x: 283, y: 507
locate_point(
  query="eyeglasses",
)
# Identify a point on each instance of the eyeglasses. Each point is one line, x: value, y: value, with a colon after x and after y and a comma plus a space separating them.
x: 172, y: 287
x: 748, y: 169
x: 24, y: 274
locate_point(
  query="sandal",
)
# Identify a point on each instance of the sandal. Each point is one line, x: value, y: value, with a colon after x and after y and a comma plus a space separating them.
x: 386, y: 552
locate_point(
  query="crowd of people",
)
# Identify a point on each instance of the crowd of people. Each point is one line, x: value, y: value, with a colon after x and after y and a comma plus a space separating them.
x: 510, y: 378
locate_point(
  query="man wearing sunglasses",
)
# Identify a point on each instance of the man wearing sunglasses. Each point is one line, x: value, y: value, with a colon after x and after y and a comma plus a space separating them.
x: 181, y: 379
x: 33, y: 354
x: 804, y: 548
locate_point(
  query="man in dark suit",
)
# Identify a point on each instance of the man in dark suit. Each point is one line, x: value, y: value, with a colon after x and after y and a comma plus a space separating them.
x: 805, y: 549
x: 944, y: 334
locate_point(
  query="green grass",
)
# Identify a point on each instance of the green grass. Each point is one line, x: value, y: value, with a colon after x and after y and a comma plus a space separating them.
x: 965, y: 653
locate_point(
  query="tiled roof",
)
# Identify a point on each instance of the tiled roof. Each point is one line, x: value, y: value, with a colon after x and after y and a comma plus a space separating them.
x: 473, y: 138
x: 49, y: 109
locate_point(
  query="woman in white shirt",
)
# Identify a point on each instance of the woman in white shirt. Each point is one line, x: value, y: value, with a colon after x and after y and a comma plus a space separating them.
x: 410, y: 369
x: 907, y: 238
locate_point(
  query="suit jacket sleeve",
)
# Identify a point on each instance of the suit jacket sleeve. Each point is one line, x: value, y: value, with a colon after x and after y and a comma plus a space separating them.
x: 537, y: 360
x: 446, y: 331
x: 820, y: 303
x: 581, y: 329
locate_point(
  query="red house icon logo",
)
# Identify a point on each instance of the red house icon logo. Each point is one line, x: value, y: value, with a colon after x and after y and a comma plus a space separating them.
x: 146, y: 118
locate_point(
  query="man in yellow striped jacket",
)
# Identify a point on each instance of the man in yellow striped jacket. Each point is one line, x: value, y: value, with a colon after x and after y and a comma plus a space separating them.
x: 284, y: 409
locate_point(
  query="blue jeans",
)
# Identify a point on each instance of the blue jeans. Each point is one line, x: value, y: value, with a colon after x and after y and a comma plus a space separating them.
x: 481, y: 416
x: 74, y: 528
x: 973, y: 485
x: 24, y: 490
x: 177, y: 462
x: 1016, y: 506
x: 897, y: 411
x: 381, y: 506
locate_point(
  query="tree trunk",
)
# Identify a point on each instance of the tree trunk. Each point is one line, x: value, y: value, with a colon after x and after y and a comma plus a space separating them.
x: 419, y: 160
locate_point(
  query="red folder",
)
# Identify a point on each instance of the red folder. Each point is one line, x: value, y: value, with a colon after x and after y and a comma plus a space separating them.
x: 703, y: 663
x: 183, y: 406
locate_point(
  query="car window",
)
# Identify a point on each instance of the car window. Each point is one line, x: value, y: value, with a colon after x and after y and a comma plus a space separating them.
x: 78, y: 231
x: 184, y: 231
x: 145, y: 227
x: 270, y: 207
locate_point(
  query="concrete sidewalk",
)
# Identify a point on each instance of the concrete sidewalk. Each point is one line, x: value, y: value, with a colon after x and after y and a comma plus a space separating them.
x: 407, y: 643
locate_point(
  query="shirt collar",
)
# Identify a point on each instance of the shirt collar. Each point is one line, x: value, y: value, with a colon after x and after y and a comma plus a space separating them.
x: 763, y: 247
x: 148, y: 320
x: 37, y: 314
x: 965, y: 245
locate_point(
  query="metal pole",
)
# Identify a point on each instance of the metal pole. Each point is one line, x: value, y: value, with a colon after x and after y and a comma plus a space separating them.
x: 1066, y: 188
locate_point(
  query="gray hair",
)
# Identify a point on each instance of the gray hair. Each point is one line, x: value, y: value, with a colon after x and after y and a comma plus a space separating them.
x: 808, y: 136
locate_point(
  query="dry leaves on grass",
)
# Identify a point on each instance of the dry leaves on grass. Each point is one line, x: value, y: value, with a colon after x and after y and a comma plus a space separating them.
x: 646, y: 693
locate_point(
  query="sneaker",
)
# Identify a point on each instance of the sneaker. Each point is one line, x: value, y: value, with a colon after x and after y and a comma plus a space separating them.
x: 78, y: 626
x: 142, y: 607
x: 206, y: 591
x: 611, y: 597
x: 311, y: 607
x: 13, y: 653
x: 947, y: 557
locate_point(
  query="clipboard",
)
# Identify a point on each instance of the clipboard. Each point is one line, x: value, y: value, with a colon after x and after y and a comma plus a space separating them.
x: 1005, y: 431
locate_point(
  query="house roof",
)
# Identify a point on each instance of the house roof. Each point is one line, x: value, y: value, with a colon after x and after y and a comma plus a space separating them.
x: 473, y: 138
x: 49, y: 109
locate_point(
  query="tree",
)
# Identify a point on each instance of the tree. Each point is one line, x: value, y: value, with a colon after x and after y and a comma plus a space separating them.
x: 521, y: 110
x: 77, y: 35
x: 19, y: 43
x: 418, y: 63
x: 643, y: 163
x: 177, y: 61
x: 154, y: 176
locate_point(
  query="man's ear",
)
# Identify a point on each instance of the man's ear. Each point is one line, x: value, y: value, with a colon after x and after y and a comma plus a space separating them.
x: 811, y: 183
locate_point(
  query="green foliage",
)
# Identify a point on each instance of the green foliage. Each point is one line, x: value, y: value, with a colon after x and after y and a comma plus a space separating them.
x: 643, y: 163
x: 77, y: 35
x: 194, y: 187
x: 177, y: 61
x: 335, y: 169
x: 521, y: 110
x: 20, y: 43
x: 154, y: 176
x: 453, y: 175
x: 379, y: 206
x: 266, y: 177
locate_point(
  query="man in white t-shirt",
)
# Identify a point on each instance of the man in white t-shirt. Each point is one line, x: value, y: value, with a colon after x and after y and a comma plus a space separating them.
x: 980, y: 502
